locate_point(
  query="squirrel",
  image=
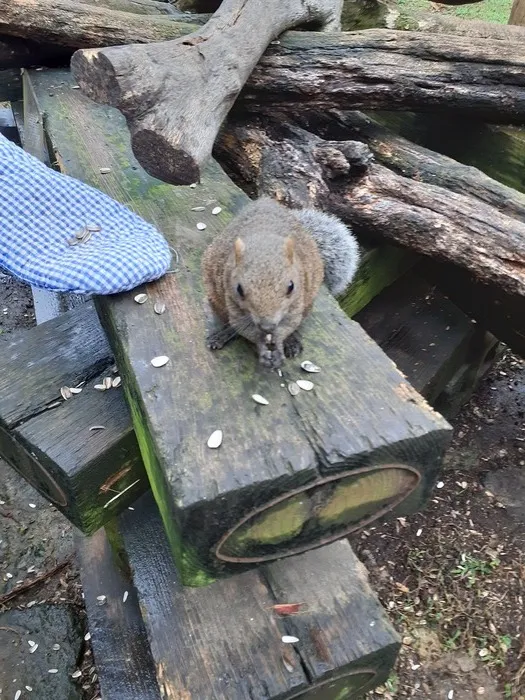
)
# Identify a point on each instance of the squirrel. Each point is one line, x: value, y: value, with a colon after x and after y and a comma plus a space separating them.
x: 263, y: 272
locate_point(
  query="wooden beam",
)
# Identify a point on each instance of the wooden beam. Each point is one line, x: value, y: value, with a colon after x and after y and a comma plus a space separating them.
x: 224, y: 641
x: 429, y: 339
x: 176, y: 408
x: 122, y: 654
x: 82, y: 475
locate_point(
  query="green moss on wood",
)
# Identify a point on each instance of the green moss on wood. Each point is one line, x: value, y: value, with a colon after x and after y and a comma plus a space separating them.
x: 379, y: 268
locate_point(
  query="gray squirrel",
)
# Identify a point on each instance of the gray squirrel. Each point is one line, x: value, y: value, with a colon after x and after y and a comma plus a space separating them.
x: 263, y: 272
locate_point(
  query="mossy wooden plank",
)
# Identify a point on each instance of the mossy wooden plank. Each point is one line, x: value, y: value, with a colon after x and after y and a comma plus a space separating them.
x: 361, y: 414
x: 225, y: 641
x: 119, y: 640
x: 48, y: 440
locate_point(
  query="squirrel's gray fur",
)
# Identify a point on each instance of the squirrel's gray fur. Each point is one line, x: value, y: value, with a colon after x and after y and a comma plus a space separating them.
x: 337, y: 246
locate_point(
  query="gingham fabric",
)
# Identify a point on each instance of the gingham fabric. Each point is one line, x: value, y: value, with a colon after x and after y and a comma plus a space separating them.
x: 40, y: 209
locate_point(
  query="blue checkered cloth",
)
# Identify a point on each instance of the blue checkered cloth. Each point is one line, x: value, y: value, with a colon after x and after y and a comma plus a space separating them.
x: 40, y: 209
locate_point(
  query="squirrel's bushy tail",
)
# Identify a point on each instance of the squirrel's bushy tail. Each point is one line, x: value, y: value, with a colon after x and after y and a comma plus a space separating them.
x: 337, y: 246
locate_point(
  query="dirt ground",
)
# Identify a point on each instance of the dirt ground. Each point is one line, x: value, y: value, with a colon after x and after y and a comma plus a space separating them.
x: 452, y: 577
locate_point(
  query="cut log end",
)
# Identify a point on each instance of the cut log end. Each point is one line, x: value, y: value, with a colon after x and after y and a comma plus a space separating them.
x: 95, y: 75
x: 165, y: 162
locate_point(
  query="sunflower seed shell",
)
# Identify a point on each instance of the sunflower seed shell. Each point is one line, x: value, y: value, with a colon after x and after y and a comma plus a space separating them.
x: 160, y: 361
x: 260, y: 399
x: 293, y: 388
x: 215, y: 439
x: 305, y: 384
x: 309, y: 366
x: 140, y: 298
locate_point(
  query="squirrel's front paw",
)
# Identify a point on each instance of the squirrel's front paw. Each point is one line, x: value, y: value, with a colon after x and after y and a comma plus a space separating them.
x: 218, y: 339
x: 271, y: 358
x: 293, y: 345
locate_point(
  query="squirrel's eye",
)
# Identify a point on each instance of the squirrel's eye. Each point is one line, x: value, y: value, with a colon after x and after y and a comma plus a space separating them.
x: 240, y: 291
x: 290, y: 288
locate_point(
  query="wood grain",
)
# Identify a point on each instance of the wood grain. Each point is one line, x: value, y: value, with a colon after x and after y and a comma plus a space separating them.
x: 119, y: 640
x: 48, y: 440
x: 224, y: 641
x: 361, y: 413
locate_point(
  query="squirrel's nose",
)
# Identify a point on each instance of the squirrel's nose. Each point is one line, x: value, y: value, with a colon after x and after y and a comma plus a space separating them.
x: 267, y: 326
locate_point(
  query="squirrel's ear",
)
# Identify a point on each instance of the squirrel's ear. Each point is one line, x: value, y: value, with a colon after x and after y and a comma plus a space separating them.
x: 239, y: 247
x: 289, y: 247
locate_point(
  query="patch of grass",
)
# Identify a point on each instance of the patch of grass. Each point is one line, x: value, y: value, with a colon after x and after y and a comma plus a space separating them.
x: 471, y: 569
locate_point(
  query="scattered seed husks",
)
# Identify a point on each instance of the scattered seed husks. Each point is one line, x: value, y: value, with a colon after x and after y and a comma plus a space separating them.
x: 159, y: 308
x: 287, y: 639
x: 293, y: 388
x: 305, y: 384
x: 160, y: 361
x: 260, y: 399
x: 140, y: 298
x: 309, y: 366
x: 215, y: 439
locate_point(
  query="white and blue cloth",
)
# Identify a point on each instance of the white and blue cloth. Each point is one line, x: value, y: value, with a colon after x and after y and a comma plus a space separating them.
x: 40, y: 209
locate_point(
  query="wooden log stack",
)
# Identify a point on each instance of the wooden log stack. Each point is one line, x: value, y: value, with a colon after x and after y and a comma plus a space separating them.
x: 305, y: 470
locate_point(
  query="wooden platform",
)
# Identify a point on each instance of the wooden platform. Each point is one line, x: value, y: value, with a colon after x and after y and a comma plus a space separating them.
x: 362, y: 428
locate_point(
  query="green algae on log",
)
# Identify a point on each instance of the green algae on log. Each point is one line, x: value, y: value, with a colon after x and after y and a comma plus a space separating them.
x: 361, y: 412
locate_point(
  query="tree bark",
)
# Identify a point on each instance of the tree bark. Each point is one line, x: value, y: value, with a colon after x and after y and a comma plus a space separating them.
x: 78, y: 25
x: 139, y: 7
x: 383, y: 69
x: 448, y: 24
x: 175, y: 95
x: 301, y: 169
x: 413, y: 161
x: 517, y: 13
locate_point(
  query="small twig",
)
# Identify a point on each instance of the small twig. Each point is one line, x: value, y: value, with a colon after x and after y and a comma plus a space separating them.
x: 23, y: 587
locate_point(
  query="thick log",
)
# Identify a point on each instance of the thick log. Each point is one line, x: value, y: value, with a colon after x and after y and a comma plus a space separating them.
x: 139, y: 7
x: 498, y: 151
x: 374, y: 69
x: 207, y: 70
x: 75, y: 25
x: 414, y: 161
x: 176, y: 408
x: 300, y: 168
x: 383, y: 69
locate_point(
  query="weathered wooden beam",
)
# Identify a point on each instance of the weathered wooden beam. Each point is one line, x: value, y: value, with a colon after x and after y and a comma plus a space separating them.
x: 122, y: 654
x: 206, y: 71
x: 48, y: 440
x: 266, y: 455
x: 302, y: 169
x: 225, y: 641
